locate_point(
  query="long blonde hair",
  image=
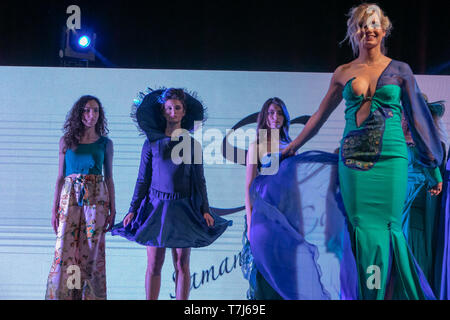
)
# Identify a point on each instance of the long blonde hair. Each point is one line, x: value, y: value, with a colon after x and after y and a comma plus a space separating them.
x: 359, y: 14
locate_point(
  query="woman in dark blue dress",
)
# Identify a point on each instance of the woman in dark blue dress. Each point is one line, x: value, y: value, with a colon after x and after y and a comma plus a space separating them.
x: 170, y: 206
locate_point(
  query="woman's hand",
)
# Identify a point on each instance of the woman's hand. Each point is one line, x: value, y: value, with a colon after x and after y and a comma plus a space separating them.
x: 436, y: 190
x: 288, y: 151
x: 55, y: 221
x: 209, y: 219
x: 109, y: 223
x: 128, y: 218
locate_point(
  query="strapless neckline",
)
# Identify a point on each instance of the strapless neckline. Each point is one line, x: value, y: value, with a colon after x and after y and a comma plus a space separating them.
x: 361, y: 96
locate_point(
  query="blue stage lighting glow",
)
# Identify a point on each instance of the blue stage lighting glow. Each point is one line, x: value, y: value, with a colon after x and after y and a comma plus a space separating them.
x: 84, y: 41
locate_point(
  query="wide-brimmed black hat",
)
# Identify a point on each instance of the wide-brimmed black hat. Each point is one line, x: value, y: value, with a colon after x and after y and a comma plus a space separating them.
x: 146, y: 113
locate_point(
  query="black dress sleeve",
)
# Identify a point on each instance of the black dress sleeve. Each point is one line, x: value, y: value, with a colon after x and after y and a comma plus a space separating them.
x: 144, y: 178
x: 199, y: 177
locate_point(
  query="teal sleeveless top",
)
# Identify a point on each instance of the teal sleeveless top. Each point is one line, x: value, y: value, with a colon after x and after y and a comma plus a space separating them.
x: 87, y: 158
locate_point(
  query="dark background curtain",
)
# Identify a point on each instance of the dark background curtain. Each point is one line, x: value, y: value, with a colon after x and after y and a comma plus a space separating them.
x: 300, y: 36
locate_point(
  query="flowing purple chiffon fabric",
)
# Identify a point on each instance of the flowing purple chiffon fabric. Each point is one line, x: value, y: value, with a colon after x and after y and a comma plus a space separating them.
x: 298, y: 229
x: 443, y: 245
x: 418, y: 115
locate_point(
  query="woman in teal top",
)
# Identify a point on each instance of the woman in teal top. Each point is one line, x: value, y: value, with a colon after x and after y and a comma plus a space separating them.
x: 373, y: 163
x: 84, y: 205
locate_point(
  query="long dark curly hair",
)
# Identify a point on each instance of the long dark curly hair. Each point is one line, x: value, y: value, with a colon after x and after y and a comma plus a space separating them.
x: 74, y: 128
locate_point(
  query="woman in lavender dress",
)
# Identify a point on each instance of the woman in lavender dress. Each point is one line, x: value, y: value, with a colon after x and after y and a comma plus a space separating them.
x: 272, y: 132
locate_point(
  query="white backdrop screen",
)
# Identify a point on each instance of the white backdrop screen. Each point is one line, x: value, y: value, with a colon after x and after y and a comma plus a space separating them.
x: 33, y: 106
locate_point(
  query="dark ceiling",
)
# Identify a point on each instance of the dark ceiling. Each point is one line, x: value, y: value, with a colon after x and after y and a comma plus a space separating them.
x: 279, y: 35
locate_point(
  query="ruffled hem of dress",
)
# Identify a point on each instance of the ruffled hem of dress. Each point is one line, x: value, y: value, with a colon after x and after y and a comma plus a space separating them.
x: 142, y: 231
x: 119, y: 230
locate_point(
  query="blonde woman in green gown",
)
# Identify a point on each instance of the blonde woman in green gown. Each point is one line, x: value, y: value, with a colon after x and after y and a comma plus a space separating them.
x: 373, y: 162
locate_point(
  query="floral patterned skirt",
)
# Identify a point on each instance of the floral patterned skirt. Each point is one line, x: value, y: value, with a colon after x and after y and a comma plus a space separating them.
x: 78, y: 268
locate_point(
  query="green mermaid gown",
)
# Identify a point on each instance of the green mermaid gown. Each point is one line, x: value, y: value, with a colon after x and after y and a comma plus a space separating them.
x: 373, y: 177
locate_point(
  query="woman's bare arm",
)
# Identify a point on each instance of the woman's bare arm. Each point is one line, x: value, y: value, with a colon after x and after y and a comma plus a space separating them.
x: 108, y: 165
x: 250, y: 175
x: 329, y: 103
x: 59, y: 184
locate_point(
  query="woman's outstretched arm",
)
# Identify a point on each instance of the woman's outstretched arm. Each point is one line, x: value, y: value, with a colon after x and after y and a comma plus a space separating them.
x: 327, y: 106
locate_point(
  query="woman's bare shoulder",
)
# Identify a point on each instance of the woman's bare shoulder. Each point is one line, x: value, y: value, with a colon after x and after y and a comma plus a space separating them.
x: 62, y: 144
x: 342, y: 73
x: 252, y: 146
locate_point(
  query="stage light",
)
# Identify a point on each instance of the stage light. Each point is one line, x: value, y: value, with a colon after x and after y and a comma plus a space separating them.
x: 78, y: 44
x: 84, y: 41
